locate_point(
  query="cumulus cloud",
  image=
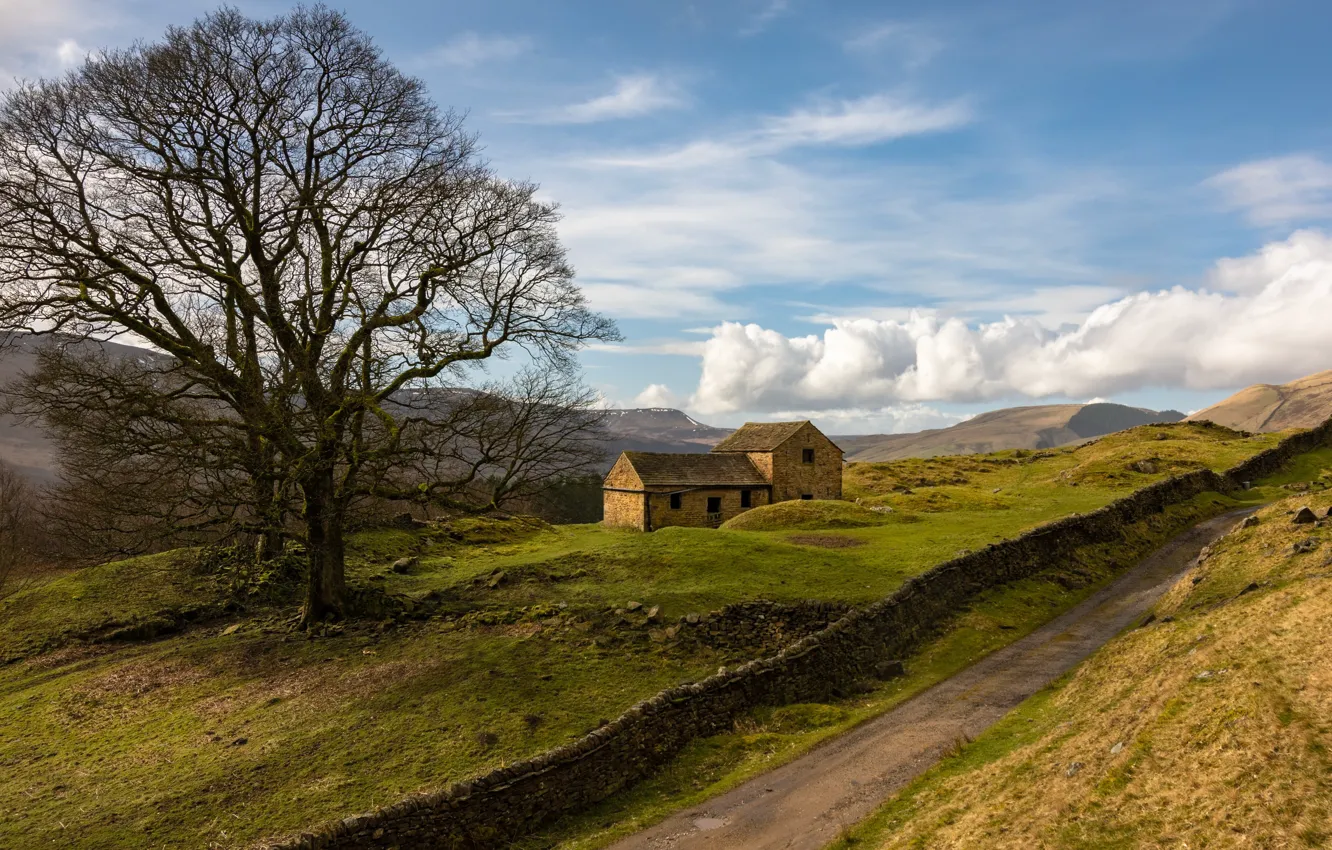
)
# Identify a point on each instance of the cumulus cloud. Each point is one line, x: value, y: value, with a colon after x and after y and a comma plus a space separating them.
x: 1277, y: 190
x: 1262, y: 317
x: 656, y: 395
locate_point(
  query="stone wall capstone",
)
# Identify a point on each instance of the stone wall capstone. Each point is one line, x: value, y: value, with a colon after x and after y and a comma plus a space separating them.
x: 490, y: 811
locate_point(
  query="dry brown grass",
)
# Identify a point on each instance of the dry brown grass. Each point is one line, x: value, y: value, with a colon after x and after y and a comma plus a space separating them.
x: 1209, y: 727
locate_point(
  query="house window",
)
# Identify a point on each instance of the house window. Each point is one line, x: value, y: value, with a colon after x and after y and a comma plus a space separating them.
x: 807, y: 455
x: 675, y: 501
x: 806, y: 497
x: 744, y: 498
x: 714, y: 504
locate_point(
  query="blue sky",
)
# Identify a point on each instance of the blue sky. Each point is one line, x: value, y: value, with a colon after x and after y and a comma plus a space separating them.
x: 888, y: 215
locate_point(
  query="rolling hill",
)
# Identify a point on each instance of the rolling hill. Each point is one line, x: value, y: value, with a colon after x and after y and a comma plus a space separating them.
x: 1302, y: 403
x: 23, y: 444
x: 1036, y: 427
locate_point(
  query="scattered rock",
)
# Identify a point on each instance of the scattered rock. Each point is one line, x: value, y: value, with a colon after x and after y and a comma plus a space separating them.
x: 1117, y: 749
x: 231, y: 630
x: 487, y: 739
x: 497, y: 578
x: 633, y: 606
x: 653, y: 612
x: 1249, y: 521
x: 240, y: 742
x: 691, y: 619
x: 1305, y: 516
x: 1146, y: 467
x: 1307, y: 545
x: 1073, y: 769
x: 996, y: 489
x: 406, y: 520
x: 403, y: 565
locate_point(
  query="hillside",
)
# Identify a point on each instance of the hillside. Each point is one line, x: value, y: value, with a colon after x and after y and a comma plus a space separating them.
x: 1035, y: 427
x: 24, y: 444
x: 166, y: 701
x: 1302, y: 403
x: 1204, y: 727
x: 657, y: 429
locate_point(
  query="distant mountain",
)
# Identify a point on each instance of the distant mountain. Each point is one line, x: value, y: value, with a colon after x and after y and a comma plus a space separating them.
x: 1302, y: 403
x: 1035, y: 427
x: 658, y: 429
x: 24, y: 444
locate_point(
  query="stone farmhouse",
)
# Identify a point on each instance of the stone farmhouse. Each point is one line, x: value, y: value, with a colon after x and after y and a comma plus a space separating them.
x: 761, y: 463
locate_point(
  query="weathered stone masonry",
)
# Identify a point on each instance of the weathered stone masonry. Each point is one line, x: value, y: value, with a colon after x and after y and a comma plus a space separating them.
x: 488, y: 811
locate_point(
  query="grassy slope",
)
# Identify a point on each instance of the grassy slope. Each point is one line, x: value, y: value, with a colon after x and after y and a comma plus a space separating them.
x: 137, y: 744
x: 1207, y: 727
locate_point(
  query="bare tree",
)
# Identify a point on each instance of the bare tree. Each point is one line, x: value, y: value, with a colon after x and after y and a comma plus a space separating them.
x: 277, y: 208
x: 149, y: 459
x: 20, y: 531
x: 493, y: 447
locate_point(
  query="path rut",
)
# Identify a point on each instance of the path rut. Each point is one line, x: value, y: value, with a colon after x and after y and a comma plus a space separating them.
x: 806, y: 803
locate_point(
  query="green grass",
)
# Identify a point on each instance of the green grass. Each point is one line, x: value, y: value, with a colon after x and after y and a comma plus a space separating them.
x: 112, y: 745
x: 798, y: 515
x: 770, y: 737
x: 1206, y: 727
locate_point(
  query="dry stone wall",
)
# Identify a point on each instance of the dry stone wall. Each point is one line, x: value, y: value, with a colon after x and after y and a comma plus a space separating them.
x: 490, y: 811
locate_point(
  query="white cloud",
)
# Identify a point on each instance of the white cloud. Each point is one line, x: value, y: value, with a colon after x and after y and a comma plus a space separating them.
x: 69, y: 52
x: 761, y: 224
x: 1278, y: 190
x: 771, y: 11
x: 892, y: 419
x: 633, y: 96
x: 470, y: 49
x: 1267, y: 320
x: 840, y: 123
x: 908, y: 41
x: 878, y: 118
x: 656, y: 395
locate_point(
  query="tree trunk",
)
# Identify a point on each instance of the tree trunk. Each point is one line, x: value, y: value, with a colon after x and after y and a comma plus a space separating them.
x: 327, y: 588
x: 268, y: 512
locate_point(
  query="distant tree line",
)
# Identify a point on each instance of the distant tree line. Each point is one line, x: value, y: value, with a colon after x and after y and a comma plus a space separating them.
x: 319, y: 257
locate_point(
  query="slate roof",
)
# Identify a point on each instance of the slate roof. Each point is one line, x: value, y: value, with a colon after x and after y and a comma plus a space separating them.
x: 657, y: 468
x: 759, y: 436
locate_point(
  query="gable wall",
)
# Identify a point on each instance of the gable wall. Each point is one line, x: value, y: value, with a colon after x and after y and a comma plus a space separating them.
x: 791, y: 477
x: 622, y: 510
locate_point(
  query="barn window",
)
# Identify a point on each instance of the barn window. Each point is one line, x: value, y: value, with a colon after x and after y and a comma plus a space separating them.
x: 675, y: 501
x: 807, y: 496
x: 714, y: 504
x: 744, y: 498
x: 807, y: 455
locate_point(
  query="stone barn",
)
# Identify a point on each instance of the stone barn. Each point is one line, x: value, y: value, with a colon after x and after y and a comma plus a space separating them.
x: 760, y: 463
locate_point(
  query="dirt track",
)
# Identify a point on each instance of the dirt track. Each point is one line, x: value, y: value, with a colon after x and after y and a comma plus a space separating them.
x: 805, y: 804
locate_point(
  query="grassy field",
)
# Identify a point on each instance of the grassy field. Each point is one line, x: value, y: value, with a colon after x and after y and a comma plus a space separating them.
x: 1207, y: 727
x: 240, y: 728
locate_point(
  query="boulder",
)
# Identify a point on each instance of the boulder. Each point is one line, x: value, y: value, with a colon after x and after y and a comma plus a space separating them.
x: 403, y: 566
x: 1249, y: 521
x: 1305, y: 516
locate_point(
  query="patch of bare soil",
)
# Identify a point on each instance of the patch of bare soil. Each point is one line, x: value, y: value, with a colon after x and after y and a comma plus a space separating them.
x: 825, y: 541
